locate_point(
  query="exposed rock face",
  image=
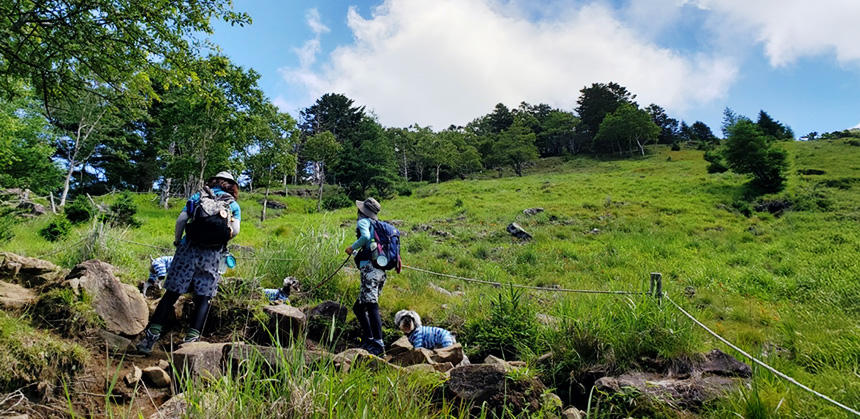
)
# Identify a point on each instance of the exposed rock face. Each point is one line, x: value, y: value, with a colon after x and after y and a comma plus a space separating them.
x: 688, y: 387
x: 287, y: 321
x: 517, y: 231
x: 121, y: 306
x: 14, y: 296
x: 200, y: 359
x: 29, y: 272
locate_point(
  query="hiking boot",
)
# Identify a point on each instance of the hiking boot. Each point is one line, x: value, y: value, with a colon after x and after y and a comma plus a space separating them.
x: 145, y: 345
x: 375, y: 347
x: 192, y: 336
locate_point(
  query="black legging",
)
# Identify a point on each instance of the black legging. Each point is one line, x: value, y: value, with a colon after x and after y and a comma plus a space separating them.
x: 165, y: 306
x: 369, y: 320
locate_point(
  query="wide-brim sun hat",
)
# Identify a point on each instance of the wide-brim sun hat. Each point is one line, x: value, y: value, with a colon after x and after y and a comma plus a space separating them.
x: 224, y: 175
x: 369, y: 207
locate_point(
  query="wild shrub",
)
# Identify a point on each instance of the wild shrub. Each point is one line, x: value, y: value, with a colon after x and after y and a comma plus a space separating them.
x: 80, y: 210
x: 510, y: 327
x: 57, y: 229
x: 676, y: 146
x: 749, y: 151
x: 336, y: 201
x: 403, y: 189
x: 67, y: 313
x: 716, y: 164
x: 122, y: 212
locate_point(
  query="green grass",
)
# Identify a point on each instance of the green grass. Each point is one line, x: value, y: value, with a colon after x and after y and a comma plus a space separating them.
x: 787, y: 286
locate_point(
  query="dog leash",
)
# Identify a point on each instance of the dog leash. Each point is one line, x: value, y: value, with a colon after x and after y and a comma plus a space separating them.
x: 321, y: 283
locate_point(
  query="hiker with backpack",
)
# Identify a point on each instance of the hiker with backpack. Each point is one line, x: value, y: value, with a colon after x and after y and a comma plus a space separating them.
x: 376, y: 250
x: 209, y: 220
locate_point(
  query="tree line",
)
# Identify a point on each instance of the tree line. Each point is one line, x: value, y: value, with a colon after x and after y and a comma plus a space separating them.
x: 108, y: 94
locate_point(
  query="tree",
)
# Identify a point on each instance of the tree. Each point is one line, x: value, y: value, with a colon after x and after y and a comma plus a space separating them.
x: 27, y: 142
x: 322, y: 149
x: 774, y: 128
x: 625, y: 127
x: 60, y: 46
x: 85, y: 119
x: 701, y: 132
x: 668, y: 126
x: 749, y: 151
x: 210, y: 121
x: 595, y: 102
x: 729, y: 118
x: 514, y: 146
x: 273, y: 141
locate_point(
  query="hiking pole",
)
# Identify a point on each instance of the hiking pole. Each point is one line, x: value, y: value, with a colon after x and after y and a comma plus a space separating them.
x: 321, y: 283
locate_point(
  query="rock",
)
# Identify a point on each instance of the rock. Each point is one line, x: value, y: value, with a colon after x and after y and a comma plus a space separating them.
x: 174, y: 408
x: 163, y: 364
x: 593, y: 231
x: 689, y: 291
x: 319, y: 318
x: 287, y: 321
x: 489, y: 385
x: 532, y: 211
x: 157, y: 377
x: 133, y: 376
x: 517, y: 231
x: 452, y: 354
x: 411, y: 357
x: 697, y: 383
x: 200, y: 359
x: 121, y: 306
x: 440, y: 290
x: 354, y: 356
x: 432, y: 231
x: 274, y: 204
x: 31, y: 209
x: 399, y: 346
x: 29, y: 272
x: 573, y: 413
x: 242, y: 353
x: 116, y: 343
x: 14, y: 296
x: 443, y: 367
x: 476, y: 382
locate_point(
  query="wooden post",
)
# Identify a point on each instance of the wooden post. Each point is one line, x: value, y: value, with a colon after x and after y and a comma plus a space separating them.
x: 657, y: 286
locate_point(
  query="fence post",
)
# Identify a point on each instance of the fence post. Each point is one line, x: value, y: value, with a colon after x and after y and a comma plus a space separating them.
x: 657, y: 286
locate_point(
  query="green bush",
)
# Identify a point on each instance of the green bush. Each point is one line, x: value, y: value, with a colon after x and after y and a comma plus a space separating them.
x: 676, y: 146
x: 716, y: 162
x: 7, y: 221
x: 80, y: 210
x: 403, y: 189
x: 510, y: 328
x: 122, y: 212
x: 58, y: 229
x: 749, y: 151
x: 336, y: 201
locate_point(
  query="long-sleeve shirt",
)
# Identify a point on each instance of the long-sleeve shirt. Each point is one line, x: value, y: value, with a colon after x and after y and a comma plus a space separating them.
x: 431, y: 337
x: 364, y: 228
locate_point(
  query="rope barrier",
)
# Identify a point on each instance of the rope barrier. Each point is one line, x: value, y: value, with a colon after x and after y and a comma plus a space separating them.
x: 760, y: 363
x: 170, y: 249
x: 528, y: 287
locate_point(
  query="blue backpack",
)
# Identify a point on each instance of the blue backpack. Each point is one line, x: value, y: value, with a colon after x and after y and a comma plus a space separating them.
x: 388, y: 245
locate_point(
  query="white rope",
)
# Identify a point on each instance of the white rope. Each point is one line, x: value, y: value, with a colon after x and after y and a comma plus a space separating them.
x: 528, y: 287
x: 760, y: 363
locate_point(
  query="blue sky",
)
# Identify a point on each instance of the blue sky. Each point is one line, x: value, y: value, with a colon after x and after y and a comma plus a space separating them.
x: 446, y: 62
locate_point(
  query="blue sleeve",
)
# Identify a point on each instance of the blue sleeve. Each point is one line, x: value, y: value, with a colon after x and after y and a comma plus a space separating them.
x: 364, y: 229
x: 237, y: 212
x: 417, y: 338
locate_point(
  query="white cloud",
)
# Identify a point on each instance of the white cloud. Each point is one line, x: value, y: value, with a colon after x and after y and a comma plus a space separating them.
x: 449, y: 61
x: 312, y: 17
x: 792, y: 29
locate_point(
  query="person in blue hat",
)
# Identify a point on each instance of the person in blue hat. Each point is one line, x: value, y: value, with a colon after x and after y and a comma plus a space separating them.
x: 208, y: 221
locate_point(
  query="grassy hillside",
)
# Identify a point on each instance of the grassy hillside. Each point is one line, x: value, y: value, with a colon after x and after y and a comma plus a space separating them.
x: 783, y: 286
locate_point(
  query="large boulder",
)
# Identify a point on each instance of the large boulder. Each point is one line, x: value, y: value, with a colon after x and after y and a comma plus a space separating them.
x: 14, y: 296
x: 27, y: 271
x: 122, y: 308
x: 200, y: 359
x: 287, y: 322
x: 686, y: 385
x: 355, y: 356
x: 452, y: 354
x: 489, y: 383
x: 31, y: 209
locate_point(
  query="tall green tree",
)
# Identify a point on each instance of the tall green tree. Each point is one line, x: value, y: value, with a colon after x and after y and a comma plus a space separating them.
x: 595, y: 102
x: 748, y: 150
x: 625, y: 128
x: 272, y: 138
x: 322, y: 149
x: 514, y: 146
x: 668, y: 126
x: 773, y: 128
x: 60, y: 46
x: 27, y: 142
